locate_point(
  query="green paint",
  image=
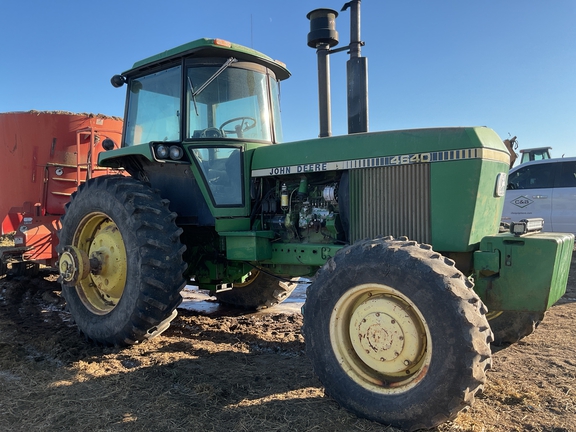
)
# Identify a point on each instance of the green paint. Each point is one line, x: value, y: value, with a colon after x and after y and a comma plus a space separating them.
x: 302, y: 254
x: 248, y: 245
x: 526, y: 273
x: 375, y: 144
x: 464, y: 207
x: 232, y: 224
x: 114, y: 158
x: 209, y: 48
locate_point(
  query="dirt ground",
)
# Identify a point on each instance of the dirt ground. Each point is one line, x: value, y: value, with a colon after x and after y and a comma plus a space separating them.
x: 238, y: 373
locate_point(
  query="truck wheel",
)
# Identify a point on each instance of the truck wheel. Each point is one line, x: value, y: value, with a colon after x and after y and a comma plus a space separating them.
x: 511, y: 326
x: 396, y: 334
x: 260, y: 291
x: 120, y: 261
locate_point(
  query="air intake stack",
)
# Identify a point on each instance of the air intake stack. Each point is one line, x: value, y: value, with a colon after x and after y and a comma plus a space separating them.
x: 323, y: 36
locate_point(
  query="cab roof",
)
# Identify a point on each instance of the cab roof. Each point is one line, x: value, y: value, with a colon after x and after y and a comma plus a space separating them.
x: 211, y: 48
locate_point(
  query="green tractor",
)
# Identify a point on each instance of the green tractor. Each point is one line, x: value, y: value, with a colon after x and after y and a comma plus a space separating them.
x: 398, y: 231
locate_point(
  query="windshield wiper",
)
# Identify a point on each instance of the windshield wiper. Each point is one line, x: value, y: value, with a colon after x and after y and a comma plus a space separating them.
x: 208, y: 81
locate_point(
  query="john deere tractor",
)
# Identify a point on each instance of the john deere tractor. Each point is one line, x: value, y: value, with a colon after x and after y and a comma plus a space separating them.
x: 398, y: 231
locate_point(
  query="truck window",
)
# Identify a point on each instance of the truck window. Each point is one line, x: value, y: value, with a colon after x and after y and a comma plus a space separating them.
x: 533, y: 177
x: 154, y: 108
x: 568, y: 175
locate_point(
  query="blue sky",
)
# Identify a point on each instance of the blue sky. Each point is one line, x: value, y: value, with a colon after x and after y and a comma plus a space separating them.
x: 506, y: 64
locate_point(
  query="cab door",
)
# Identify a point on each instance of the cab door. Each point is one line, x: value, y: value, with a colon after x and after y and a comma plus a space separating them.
x: 530, y: 193
x: 564, y: 200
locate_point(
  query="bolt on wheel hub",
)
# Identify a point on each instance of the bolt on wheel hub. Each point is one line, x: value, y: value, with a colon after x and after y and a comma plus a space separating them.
x: 73, y: 265
x: 385, y: 335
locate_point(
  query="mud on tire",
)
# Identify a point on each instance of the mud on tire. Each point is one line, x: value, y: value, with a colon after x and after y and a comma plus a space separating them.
x: 396, y: 334
x: 135, y: 295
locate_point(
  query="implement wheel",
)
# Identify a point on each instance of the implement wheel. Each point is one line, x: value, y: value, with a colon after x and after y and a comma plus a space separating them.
x: 120, y: 261
x: 259, y: 291
x: 511, y: 326
x: 396, y: 334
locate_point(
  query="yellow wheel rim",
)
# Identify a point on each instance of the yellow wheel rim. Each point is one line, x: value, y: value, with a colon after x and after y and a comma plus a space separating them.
x: 250, y: 277
x: 380, y: 338
x: 100, y: 239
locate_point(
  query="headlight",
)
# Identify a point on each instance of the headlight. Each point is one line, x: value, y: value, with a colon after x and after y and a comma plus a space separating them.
x: 176, y: 153
x: 162, y: 151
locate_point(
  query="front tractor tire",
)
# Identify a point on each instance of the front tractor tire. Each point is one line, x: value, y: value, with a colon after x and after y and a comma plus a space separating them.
x: 120, y: 261
x: 259, y: 291
x: 396, y: 334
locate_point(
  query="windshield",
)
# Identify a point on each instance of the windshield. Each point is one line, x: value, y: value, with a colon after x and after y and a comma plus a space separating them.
x: 235, y: 104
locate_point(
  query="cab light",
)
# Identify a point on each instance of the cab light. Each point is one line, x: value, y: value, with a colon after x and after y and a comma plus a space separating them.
x: 222, y: 43
x: 176, y: 153
x: 162, y: 151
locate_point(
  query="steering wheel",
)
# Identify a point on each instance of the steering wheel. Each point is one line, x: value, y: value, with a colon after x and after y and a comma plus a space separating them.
x: 246, y: 123
x: 211, y: 132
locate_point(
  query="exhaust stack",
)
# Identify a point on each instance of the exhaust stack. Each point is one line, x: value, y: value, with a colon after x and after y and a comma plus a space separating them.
x: 357, y: 74
x: 323, y: 36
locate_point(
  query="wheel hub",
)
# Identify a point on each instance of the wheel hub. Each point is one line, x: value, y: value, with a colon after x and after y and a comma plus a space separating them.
x: 108, y: 259
x: 385, y: 334
x: 73, y: 265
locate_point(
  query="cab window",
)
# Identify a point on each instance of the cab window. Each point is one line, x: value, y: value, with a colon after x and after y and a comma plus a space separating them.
x: 154, y: 108
x: 222, y: 170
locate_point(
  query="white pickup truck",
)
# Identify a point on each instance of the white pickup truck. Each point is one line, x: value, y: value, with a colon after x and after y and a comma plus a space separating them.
x: 543, y: 189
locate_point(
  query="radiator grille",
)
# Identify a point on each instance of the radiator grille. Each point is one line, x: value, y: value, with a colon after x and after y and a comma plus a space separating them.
x: 390, y: 201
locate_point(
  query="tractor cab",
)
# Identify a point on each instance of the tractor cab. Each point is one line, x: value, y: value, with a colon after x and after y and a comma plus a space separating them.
x: 204, y: 98
x: 198, y: 108
x: 537, y: 153
x: 208, y: 89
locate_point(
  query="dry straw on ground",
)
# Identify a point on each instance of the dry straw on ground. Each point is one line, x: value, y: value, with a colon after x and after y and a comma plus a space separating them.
x: 238, y: 373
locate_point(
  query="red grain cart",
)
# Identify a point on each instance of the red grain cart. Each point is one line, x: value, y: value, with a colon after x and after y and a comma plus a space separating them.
x: 45, y: 156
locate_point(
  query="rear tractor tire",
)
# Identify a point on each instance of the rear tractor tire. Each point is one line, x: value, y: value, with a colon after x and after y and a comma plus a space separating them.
x: 511, y: 326
x: 396, y: 333
x: 120, y: 261
x: 259, y: 291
